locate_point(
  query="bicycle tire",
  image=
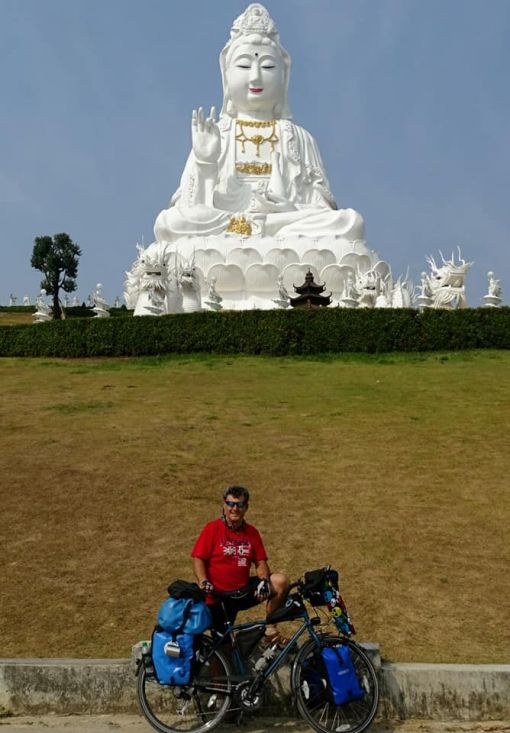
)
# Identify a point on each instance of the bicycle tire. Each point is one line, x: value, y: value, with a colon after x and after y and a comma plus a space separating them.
x: 316, y: 706
x: 189, y: 709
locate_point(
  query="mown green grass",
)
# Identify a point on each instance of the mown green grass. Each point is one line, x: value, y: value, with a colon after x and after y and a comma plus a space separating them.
x: 392, y: 468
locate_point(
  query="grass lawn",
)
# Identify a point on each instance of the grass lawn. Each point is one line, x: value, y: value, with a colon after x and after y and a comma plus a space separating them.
x: 15, y: 319
x: 394, y: 469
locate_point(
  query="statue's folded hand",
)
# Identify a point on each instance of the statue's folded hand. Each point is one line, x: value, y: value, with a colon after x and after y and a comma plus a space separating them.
x: 270, y: 202
x: 205, y: 136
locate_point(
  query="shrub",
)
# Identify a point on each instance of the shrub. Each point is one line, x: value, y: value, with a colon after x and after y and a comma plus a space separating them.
x: 276, y: 332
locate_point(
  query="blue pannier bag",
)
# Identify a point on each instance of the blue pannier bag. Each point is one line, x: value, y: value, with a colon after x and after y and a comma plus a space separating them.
x: 313, y: 684
x: 172, y: 670
x: 184, y: 615
x: 343, y: 681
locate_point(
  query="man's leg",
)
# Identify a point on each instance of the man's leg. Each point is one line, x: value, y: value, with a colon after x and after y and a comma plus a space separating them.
x: 279, y: 591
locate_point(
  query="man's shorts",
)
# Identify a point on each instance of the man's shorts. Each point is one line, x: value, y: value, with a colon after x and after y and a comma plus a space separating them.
x: 234, y: 605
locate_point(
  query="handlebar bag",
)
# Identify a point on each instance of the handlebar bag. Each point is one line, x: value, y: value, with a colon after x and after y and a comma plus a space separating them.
x: 317, y: 583
x: 183, y: 615
x: 172, y: 670
x: 343, y: 682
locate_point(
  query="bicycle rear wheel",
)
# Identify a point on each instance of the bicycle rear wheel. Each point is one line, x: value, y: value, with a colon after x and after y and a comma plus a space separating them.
x: 311, y: 688
x: 195, y: 708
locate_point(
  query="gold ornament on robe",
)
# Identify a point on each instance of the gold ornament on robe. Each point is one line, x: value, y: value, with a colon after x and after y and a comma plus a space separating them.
x: 239, y: 225
x: 255, y: 169
x: 258, y: 139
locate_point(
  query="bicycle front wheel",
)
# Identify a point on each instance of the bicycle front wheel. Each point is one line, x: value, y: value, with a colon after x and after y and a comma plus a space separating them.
x: 194, y: 708
x: 315, y: 699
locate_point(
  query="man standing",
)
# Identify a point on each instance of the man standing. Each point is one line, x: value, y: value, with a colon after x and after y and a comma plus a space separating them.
x: 222, y: 558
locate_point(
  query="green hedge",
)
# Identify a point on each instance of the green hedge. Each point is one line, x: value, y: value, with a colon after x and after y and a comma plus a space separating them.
x: 276, y: 332
x: 17, y: 308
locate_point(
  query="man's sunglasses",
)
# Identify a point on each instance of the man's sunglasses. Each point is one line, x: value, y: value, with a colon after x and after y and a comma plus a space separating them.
x: 238, y: 504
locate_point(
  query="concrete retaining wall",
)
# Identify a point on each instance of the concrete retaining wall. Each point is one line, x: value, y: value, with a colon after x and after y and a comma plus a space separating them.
x: 431, y: 691
x: 38, y: 686
x: 445, y: 691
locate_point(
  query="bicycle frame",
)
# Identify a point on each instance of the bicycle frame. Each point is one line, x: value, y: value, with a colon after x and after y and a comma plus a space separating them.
x: 230, y: 634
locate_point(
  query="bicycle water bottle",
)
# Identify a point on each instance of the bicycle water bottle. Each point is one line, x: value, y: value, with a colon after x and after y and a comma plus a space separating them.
x: 264, y: 660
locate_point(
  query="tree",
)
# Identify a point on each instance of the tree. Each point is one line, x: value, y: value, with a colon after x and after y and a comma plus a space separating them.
x: 57, y: 258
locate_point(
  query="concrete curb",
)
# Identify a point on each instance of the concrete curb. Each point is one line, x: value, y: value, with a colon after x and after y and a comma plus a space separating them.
x: 96, y: 686
x: 445, y: 691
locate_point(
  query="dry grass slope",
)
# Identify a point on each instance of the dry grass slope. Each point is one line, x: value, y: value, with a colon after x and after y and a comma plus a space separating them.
x: 394, y: 469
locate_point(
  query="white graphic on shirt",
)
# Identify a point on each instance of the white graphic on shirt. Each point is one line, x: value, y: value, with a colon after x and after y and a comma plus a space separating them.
x: 244, y: 549
x: 241, y: 550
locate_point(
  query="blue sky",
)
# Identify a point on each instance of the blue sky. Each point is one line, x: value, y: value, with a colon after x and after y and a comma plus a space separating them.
x: 409, y: 101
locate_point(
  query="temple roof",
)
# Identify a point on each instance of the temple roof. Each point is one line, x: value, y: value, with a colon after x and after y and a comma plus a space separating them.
x: 310, y: 294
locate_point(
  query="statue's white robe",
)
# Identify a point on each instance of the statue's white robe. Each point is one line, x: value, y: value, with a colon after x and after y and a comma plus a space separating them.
x: 210, y: 194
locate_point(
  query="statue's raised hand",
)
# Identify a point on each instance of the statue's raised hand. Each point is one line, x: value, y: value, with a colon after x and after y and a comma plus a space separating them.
x: 205, y: 136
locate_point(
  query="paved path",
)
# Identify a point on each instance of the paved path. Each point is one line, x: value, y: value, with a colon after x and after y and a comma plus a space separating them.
x: 136, y: 724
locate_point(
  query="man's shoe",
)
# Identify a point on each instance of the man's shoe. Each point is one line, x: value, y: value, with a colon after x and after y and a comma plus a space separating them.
x: 276, y: 638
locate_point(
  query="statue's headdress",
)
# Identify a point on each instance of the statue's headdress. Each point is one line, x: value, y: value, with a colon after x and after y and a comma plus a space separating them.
x: 255, y: 24
x: 255, y: 19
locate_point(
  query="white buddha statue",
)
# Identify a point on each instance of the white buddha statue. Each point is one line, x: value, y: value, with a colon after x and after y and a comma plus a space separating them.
x: 254, y: 171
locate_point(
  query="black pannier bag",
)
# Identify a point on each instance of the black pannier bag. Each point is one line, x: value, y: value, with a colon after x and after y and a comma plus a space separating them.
x: 184, y: 589
x: 316, y: 583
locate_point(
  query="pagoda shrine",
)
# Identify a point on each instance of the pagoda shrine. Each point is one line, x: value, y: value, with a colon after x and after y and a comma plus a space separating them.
x: 310, y: 294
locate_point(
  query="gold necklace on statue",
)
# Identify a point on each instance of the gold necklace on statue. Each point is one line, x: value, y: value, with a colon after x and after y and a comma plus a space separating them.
x: 257, y: 139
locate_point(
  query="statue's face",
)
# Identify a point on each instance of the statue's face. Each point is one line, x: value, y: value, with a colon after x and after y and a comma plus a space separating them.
x: 256, y: 79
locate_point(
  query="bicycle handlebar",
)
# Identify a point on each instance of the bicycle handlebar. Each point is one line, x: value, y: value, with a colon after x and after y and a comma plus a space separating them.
x: 242, y: 592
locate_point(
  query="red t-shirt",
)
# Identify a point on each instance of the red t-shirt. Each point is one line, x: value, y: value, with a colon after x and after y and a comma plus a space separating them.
x: 228, y: 554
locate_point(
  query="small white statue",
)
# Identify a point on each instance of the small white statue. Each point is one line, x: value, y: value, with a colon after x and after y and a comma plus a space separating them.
x: 133, y: 278
x: 67, y: 301
x: 283, y: 300
x: 101, y: 307
x: 350, y: 296
x: 190, y: 288
x: 75, y: 302
x: 26, y: 300
x: 447, y: 282
x: 12, y: 299
x: 368, y: 286
x: 214, y: 299
x: 149, y: 284
x: 493, y: 298
x: 402, y: 293
x: 116, y: 302
x: 382, y: 300
x: 43, y: 312
x: 424, y: 286
x: 424, y: 299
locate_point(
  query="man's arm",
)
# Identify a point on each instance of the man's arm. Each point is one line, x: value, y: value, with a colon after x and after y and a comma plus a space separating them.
x: 262, y: 569
x: 199, y: 569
